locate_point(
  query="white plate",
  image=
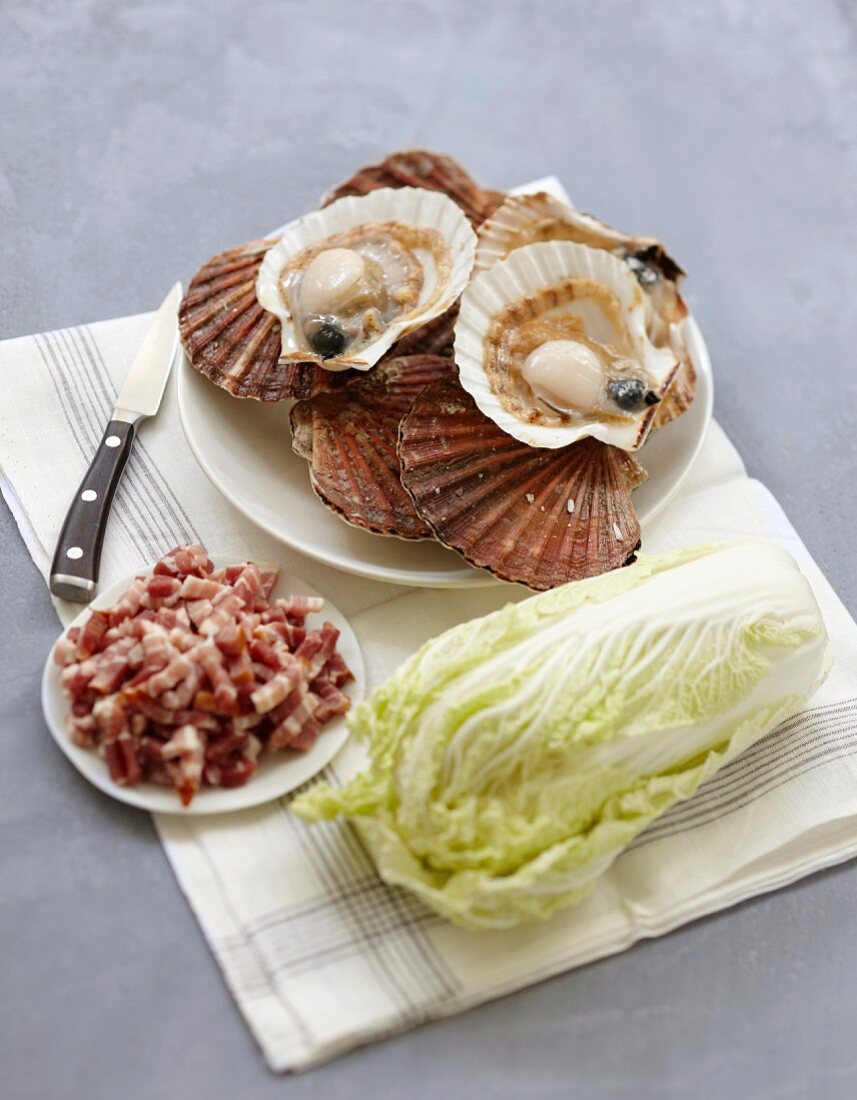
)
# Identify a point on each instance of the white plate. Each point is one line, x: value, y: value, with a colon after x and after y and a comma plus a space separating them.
x: 244, y: 447
x: 276, y: 776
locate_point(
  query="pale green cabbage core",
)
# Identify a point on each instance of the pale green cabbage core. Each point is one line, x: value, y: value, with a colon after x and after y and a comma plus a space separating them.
x: 514, y: 757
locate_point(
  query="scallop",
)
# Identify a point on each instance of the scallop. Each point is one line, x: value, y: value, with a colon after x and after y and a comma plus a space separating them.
x: 233, y: 342
x: 348, y: 281
x: 349, y: 439
x: 531, y: 516
x: 552, y: 344
x: 529, y: 219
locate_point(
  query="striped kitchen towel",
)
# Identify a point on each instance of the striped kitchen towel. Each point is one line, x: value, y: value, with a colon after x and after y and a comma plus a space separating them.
x: 319, y: 954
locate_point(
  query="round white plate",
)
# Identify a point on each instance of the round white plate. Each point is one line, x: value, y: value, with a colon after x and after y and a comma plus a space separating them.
x: 244, y: 447
x: 276, y: 776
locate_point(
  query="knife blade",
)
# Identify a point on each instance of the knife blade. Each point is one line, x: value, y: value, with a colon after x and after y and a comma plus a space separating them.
x: 74, y: 571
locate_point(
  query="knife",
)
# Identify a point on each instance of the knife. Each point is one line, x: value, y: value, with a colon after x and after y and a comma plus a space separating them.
x: 74, y: 570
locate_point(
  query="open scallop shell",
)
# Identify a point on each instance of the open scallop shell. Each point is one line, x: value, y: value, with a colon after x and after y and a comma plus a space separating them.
x: 408, y: 206
x: 349, y: 439
x: 235, y: 343
x: 421, y: 168
x: 519, y: 279
x: 531, y: 219
x: 537, y: 517
x: 528, y: 219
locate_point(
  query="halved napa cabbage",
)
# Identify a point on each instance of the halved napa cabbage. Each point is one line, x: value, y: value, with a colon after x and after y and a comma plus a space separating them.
x: 514, y: 757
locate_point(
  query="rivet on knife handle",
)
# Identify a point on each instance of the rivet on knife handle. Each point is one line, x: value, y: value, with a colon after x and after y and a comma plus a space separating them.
x: 74, y: 571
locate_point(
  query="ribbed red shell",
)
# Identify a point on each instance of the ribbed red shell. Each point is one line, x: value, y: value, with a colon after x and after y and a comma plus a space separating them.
x: 421, y: 168
x: 505, y: 506
x: 349, y: 439
x: 235, y: 343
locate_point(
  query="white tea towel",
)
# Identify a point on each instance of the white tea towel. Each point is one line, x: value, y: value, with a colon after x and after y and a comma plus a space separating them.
x: 318, y: 953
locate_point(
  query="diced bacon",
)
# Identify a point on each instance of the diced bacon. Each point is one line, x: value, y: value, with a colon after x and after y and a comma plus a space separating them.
x: 267, y: 696
x: 110, y: 716
x: 248, y: 721
x: 75, y: 677
x: 248, y: 585
x: 332, y: 701
x: 201, y: 588
x: 129, y: 602
x: 121, y: 757
x: 199, y: 610
x: 234, y: 774
x: 83, y: 732
x: 194, y: 673
x: 83, y: 704
x: 337, y: 671
x: 168, y: 718
x: 211, y: 659
x: 280, y: 632
x: 241, y: 672
x: 161, y: 588
x: 289, y: 730
x: 184, y: 561
x: 160, y: 592
x: 214, y: 623
x: 90, y: 636
x: 176, y: 670
x: 300, y: 606
x: 187, y: 748
x: 182, y: 695
x: 308, y: 735
x: 264, y: 653
x: 268, y: 573
x: 65, y: 650
x: 137, y: 723
x: 219, y: 748
x: 231, y: 639
x: 110, y: 675
x: 317, y: 648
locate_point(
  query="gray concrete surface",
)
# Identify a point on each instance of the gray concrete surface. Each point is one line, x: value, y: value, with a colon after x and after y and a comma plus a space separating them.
x: 138, y: 138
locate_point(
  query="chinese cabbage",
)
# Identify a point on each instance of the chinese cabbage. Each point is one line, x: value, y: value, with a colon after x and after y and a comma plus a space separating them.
x: 512, y: 758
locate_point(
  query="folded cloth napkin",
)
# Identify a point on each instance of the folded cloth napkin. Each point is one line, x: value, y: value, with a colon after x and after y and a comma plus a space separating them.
x: 319, y: 954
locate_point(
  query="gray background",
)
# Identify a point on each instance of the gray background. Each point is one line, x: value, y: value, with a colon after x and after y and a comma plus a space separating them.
x: 138, y: 138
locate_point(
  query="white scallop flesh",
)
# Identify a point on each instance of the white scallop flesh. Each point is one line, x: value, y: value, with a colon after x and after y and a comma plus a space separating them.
x: 332, y: 280
x: 566, y: 374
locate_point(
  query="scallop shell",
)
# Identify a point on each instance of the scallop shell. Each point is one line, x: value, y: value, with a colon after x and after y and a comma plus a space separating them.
x: 349, y: 439
x: 534, y: 516
x: 530, y: 269
x: 421, y: 168
x: 529, y: 219
x: 407, y: 206
x: 235, y: 343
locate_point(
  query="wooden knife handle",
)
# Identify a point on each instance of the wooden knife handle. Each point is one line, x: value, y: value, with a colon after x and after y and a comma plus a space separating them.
x: 74, y: 571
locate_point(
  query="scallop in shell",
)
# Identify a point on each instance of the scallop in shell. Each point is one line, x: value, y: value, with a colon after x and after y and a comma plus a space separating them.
x: 235, y: 343
x: 552, y: 345
x: 422, y: 168
x: 530, y: 515
x: 349, y: 439
x: 530, y: 219
x: 348, y: 281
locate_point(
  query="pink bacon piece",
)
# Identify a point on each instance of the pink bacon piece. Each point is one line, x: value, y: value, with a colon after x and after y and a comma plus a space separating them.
x: 281, y: 684
x: 186, y: 748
